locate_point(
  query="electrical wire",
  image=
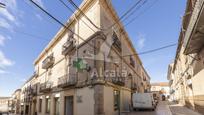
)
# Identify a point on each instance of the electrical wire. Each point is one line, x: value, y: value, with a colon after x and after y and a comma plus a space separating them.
x: 126, y: 13
x: 153, y: 50
x: 59, y: 22
x: 2, y: 5
x: 141, y: 13
x: 64, y: 4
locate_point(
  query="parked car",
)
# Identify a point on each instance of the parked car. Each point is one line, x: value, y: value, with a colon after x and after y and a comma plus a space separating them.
x: 143, y: 101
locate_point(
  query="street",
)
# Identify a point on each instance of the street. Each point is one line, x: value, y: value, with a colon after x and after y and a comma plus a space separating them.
x: 162, y: 109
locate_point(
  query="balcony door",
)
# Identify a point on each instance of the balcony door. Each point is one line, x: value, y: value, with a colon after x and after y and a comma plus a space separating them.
x: 69, y: 105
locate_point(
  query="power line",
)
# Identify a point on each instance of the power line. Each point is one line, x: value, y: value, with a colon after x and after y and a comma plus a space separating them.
x: 145, y: 1
x: 141, y: 13
x: 2, y: 5
x: 59, y: 22
x: 126, y: 13
x: 73, y: 4
x: 153, y: 50
x: 64, y: 4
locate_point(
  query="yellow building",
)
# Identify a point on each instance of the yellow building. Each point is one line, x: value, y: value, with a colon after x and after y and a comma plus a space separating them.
x: 82, y: 71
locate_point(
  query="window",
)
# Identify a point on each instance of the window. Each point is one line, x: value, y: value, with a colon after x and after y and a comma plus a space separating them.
x: 40, y: 105
x: 132, y: 62
x: 116, y: 100
x: 116, y: 42
x: 47, y: 105
x: 57, y: 103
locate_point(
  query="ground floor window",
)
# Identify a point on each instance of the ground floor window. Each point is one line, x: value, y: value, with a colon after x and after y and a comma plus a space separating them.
x: 40, y: 105
x: 47, y: 105
x: 116, y: 100
x: 57, y: 103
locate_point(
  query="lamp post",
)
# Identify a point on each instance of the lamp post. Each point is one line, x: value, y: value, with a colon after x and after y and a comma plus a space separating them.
x: 2, y: 5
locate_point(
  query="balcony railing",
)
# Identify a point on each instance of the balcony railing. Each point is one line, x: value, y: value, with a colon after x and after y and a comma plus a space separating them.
x: 46, y: 87
x: 48, y: 62
x: 67, y: 81
x: 34, y: 90
x: 68, y: 47
x: 118, y: 81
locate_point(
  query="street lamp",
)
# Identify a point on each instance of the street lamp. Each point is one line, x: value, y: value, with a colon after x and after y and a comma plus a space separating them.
x: 2, y: 5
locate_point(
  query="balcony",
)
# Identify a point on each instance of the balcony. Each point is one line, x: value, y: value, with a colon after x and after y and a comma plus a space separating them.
x: 46, y: 87
x: 118, y: 81
x: 48, y: 62
x: 34, y: 90
x: 68, y: 47
x: 68, y: 80
x: 193, y: 39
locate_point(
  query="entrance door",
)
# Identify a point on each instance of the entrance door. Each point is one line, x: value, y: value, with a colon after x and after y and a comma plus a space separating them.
x: 26, y: 109
x: 69, y: 105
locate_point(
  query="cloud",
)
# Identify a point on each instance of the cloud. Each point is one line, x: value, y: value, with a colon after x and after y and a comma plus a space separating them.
x: 7, y: 15
x: 5, y: 24
x: 4, y: 62
x: 3, y: 71
x: 10, y: 15
x: 141, y: 41
x: 2, y: 39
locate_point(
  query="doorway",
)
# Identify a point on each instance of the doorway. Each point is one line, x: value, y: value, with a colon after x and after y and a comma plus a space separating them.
x: 69, y: 105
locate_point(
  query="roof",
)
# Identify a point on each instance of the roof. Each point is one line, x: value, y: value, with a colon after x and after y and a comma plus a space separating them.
x: 5, y: 97
x: 160, y: 84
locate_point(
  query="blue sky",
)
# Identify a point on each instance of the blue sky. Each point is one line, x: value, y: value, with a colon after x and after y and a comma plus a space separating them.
x: 158, y: 26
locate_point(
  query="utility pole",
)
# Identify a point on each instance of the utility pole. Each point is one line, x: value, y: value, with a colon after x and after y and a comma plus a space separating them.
x: 2, y: 5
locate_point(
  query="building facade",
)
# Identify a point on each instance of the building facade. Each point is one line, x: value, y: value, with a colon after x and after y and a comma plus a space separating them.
x: 160, y: 89
x: 186, y: 72
x: 86, y: 67
x: 15, y: 102
x: 5, y: 104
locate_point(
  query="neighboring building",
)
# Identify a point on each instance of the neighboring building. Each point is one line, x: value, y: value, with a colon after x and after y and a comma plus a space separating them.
x: 186, y: 73
x: 15, y: 102
x: 160, y: 89
x: 81, y: 77
x: 5, y: 104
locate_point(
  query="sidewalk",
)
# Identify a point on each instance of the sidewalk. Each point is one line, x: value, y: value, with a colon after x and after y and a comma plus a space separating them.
x: 178, y: 109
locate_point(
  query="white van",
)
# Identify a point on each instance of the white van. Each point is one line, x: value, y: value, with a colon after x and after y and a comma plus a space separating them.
x: 143, y: 101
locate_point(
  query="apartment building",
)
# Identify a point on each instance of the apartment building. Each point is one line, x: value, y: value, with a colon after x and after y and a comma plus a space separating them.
x: 5, y: 104
x: 87, y: 70
x: 15, y: 102
x: 186, y: 72
x: 160, y: 89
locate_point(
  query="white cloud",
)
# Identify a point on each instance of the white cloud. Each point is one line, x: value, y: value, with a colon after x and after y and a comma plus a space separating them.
x: 141, y: 41
x: 4, y: 62
x: 3, y: 71
x: 7, y: 14
x: 5, y: 24
x: 2, y: 39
